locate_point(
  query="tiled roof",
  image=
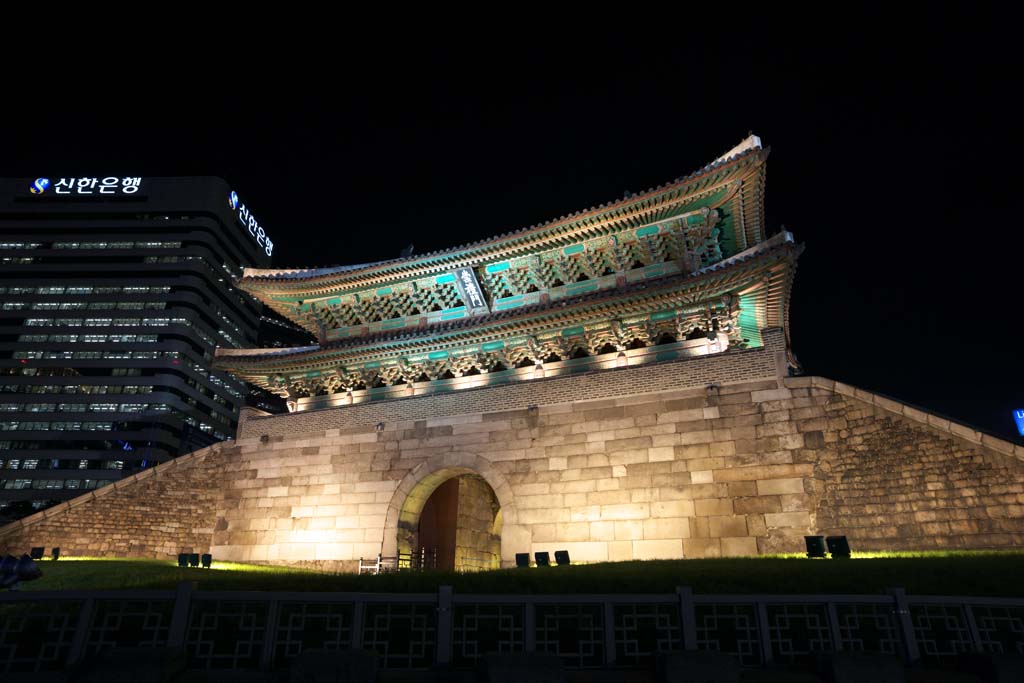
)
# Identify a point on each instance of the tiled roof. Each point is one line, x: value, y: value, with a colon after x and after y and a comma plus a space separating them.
x: 256, y: 276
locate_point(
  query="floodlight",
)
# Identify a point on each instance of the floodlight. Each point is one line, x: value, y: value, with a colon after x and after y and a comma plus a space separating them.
x: 522, y: 560
x: 193, y: 559
x: 562, y: 558
x: 543, y: 559
x: 207, y: 560
x: 37, y: 553
x: 815, y: 546
x: 55, y: 554
x: 838, y: 547
x: 182, y: 559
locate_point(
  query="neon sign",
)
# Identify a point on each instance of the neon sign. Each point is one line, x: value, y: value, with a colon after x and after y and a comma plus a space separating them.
x: 86, y: 186
x: 246, y: 218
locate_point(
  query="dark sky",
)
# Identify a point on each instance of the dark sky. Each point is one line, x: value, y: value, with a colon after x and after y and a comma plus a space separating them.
x: 894, y: 159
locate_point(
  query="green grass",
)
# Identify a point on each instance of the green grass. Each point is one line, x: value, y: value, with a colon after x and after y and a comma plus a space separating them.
x: 948, y: 573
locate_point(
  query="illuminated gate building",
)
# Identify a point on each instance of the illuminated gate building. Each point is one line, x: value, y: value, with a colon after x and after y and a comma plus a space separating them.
x: 680, y: 271
x: 617, y: 383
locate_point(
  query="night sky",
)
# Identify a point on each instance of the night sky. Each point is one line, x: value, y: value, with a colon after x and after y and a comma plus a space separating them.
x: 891, y: 161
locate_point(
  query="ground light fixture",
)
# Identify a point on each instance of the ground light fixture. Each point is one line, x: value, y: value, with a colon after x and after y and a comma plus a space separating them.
x: 838, y: 547
x: 522, y: 560
x: 815, y: 546
x: 562, y: 558
x: 543, y: 559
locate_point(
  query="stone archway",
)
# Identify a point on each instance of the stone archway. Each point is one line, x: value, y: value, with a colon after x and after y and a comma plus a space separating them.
x: 459, y: 527
x: 477, y: 476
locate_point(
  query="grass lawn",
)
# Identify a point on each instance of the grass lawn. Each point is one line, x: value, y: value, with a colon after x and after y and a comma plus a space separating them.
x: 937, y: 573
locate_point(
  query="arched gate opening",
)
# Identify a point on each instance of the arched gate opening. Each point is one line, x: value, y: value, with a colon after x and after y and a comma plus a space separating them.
x: 452, y: 519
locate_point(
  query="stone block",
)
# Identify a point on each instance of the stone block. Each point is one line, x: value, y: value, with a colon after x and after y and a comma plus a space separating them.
x: 739, y: 547
x: 681, y: 415
x: 543, y: 515
x: 639, y: 442
x: 672, y: 508
x: 628, y: 457
x: 661, y: 454
x: 702, y: 547
x: 791, y: 441
x: 574, y: 500
x: 691, y: 452
x: 722, y: 449
x: 573, y: 531
x: 628, y: 530
x: 620, y: 551
x: 758, y: 504
x: 696, y: 437
x: 610, y: 497
x: 727, y: 526
x: 586, y: 514
x: 664, y: 549
x: 662, y: 440
x: 796, y: 520
x: 626, y: 511
x: 702, y: 476
x: 769, y: 487
x: 758, y: 472
x: 668, y: 527
x: 602, y: 531
x: 643, y: 495
x: 770, y: 395
x: 713, y: 506
x: 742, y: 489
x: 795, y: 502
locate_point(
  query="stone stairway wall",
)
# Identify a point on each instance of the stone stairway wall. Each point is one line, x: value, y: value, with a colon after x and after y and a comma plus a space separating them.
x: 892, y: 483
x: 157, y: 513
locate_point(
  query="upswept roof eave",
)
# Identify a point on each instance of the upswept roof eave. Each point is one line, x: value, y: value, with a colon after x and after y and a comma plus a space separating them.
x: 780, y: 284
x: 254, y: 279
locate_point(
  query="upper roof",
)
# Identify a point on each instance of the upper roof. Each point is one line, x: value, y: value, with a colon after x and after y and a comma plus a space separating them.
x: 741, y: 165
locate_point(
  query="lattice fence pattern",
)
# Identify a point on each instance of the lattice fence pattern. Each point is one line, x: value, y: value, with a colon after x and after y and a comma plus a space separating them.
x: 50, y: 631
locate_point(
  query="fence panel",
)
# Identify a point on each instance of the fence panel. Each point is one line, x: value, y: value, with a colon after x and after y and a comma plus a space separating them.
x: 48, y: 631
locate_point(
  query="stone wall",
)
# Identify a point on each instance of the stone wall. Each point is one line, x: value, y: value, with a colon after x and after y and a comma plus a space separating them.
x: 159, y: 512
x: 888, y: 483
x: 476, y: 545
x: 735, y: 468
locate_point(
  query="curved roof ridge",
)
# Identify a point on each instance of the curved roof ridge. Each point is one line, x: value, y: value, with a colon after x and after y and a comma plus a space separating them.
x: 749, y: 145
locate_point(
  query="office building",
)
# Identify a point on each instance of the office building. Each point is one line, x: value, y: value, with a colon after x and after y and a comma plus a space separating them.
x: 114, y: 293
